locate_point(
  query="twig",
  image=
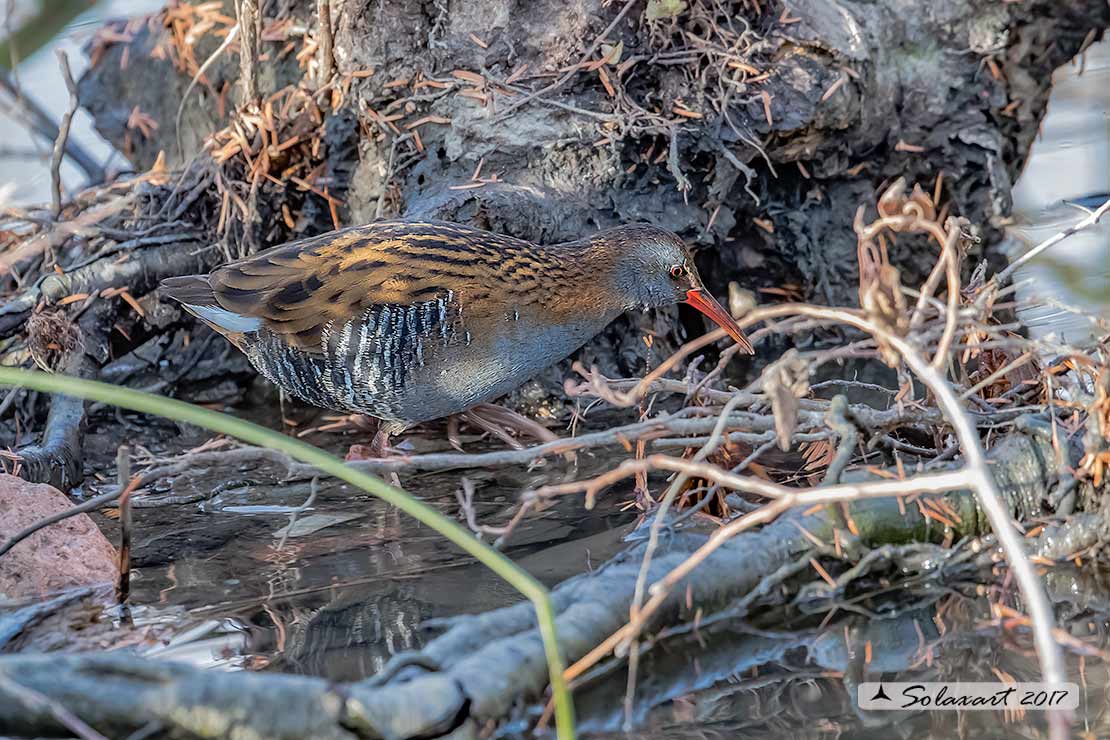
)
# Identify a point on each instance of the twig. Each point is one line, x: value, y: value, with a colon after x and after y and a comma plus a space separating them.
x: 231, y: 34
x: 928, y: 288
x: 986, y: 490
x: 682, y: 182
x: 674, y: 425
x: 249, y: 21
x: 706, y: 450
x: 756, y: 453
x: 975, y: 475
x: 902, y: 214
x: 849, y: 438
x: 950, y: 256
x: 1007, y: 368
x: 380, y: 209
x: 932, y: 483
x: 791, y: 498
x: 313, y: 489
x: 63, y: 136
x: 91, y: 505
x: 677, y: 424
x: 326, y: 58
x: 643, y: 386
x: 465, y: 496
x: 9, y: 399
x: 609, y: 390
x: 127, y: 486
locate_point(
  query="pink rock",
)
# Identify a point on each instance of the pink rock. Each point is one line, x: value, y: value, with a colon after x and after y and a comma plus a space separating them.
x: 71, y: 553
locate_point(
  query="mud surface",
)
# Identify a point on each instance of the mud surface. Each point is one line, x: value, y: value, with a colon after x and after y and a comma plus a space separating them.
x: 788, y: 117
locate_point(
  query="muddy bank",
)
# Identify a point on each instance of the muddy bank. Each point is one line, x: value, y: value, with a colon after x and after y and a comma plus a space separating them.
x: 754, y: 131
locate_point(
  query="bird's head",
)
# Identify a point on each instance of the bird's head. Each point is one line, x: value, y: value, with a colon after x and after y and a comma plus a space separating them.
x: 654, y: 269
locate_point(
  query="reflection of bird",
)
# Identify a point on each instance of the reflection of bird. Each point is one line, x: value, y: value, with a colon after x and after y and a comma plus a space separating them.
x: 412, y: 321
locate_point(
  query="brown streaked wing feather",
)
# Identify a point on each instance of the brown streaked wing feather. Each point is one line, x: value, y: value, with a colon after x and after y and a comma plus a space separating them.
x: 188, y: 289
x: 298, y: 288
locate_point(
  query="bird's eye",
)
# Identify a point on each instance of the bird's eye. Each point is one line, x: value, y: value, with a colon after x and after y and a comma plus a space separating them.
x: 677, y: 271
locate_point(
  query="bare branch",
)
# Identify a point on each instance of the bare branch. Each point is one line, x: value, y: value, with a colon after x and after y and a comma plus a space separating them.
x: 40, y: 123
x: 249, y: 22
x: 975, y: 475
x: 63, y: 136
x: 326, y: 57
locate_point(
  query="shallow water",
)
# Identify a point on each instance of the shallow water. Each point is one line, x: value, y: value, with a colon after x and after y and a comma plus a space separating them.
x: 355, y: 582
x: 350, y: 582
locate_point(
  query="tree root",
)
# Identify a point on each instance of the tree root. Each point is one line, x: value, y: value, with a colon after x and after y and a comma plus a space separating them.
x: 58, y: 458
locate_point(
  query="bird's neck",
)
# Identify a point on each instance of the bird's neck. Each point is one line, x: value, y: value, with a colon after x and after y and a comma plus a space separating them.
x: 610, y: 260
x: 587, y: 273
x: 585, y: 279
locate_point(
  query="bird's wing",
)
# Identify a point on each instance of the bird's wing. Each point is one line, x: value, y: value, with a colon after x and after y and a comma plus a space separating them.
x: 296, y: 290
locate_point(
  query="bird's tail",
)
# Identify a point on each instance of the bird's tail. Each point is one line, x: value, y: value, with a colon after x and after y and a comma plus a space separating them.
x: 195, y: 294
x: 190, y: 290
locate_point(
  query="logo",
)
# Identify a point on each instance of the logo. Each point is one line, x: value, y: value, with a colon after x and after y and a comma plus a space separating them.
x: 936, y: 696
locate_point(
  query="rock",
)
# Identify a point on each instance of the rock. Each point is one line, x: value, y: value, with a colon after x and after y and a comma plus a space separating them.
x: 70, y: 553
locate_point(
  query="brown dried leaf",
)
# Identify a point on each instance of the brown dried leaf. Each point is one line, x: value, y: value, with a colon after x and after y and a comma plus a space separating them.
x: 885, y: 304
x: 785, y: 381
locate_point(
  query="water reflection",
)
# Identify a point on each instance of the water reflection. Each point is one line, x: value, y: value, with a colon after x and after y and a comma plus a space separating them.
x: 742, y: 681
x: 1068, y: 170
x: 352, y: 581
x: 339, y: 602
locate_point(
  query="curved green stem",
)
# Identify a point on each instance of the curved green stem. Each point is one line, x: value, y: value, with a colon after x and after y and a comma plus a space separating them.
x: 254, y: 434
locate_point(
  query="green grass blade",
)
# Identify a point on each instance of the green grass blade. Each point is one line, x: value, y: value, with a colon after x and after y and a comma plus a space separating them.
x: 254, y: 434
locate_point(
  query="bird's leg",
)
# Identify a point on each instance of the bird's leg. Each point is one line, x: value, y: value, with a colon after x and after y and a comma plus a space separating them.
x: 499, y: 421
x: 379, y: 447
x: 380, y: 444
x: 453, y: 437
x: 285, y: 420
x: 475, y: 418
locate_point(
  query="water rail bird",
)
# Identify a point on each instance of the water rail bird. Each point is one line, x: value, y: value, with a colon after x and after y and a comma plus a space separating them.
x: 411, y: 321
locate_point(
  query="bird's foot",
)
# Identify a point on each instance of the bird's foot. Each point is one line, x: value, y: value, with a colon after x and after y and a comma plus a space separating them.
x: 501, y: 422
x: 379, y: 448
